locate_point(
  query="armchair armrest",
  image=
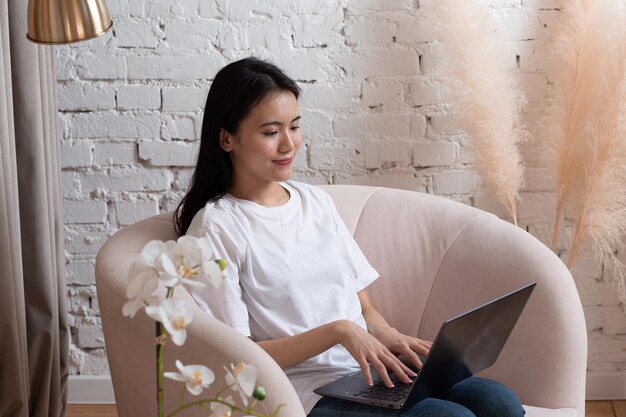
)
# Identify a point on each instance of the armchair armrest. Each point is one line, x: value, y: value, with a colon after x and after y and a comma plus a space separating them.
x: 547, y: 350
x: 130, y: 343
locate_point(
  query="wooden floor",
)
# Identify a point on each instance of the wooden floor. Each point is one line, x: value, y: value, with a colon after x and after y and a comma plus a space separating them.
x: 606, y: 408
x: 89, y: 410
x: 593, y: 409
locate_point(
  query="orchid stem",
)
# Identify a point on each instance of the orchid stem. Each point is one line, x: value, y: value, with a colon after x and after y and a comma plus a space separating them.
x: 160, y: 332
x: 159, y: 354
x: 251, y: 406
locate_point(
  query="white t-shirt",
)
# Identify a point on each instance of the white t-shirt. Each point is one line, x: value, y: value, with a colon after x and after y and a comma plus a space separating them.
x: 290, y: 268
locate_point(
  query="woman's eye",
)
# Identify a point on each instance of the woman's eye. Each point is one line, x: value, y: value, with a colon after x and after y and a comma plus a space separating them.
x: 270, y: 133
x: 294, y: 128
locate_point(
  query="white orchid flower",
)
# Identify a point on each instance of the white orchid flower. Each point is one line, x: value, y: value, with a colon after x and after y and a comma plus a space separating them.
x: 194, y: 248
x: 187, y: 260
x: 140, y: 289
x: 199, y: 252
x: 151, y: 257
x: 178, y: 271
x: 241, y: 378
x: 212, y: 269
x: 151, y: 252
x: 222, y: 410
x: 175, y: 315
x: 170, y: 275
x: 196, y: 377
x: 213, y: 272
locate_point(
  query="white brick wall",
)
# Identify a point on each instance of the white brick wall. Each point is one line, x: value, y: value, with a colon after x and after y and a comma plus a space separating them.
x: 84, y: 211
x: 128, y: 212
x: 184, y: 99
x: 142, y: 97
x: 383, y: 92
x: 375, y: 111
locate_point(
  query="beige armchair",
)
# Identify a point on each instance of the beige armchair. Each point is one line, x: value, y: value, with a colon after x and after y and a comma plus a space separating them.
x: 436, y: 259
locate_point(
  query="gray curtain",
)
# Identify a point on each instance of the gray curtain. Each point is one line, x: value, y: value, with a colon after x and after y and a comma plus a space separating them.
x: 34, y: 339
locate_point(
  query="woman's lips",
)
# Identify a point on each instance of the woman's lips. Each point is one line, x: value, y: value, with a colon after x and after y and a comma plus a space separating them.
x: 283, y: 162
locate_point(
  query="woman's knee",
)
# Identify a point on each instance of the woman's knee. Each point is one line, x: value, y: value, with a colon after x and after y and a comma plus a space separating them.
x: 486, y: 398
x: 432, y: 407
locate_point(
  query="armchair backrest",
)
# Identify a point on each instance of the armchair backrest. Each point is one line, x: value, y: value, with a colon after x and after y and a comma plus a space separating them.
x: 406, y: 236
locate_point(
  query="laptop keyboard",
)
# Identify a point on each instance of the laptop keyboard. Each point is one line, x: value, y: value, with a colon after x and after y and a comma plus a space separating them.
x: 381, y: 392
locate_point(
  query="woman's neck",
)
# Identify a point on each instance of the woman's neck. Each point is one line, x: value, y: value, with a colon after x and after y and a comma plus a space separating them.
x: 269, y: 195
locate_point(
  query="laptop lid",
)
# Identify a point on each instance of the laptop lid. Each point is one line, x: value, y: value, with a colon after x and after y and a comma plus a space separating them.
x: 465, y: 344
x: 469, y: 343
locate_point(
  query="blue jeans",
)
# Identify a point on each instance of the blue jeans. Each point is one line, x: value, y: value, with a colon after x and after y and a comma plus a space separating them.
x: 472, y: 397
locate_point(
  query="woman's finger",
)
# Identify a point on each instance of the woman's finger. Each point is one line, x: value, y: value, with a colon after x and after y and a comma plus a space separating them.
x: 426, y: 343
x: 365, y: 368
x: 421, y: 347
x: 382, y: 372
x: 409, y: 352
x: 401, y: 370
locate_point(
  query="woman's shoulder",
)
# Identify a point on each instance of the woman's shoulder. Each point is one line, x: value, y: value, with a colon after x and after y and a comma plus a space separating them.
x: 215, y: 216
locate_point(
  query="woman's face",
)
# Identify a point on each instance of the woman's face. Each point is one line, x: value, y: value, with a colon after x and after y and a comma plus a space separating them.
x: 264, y: 148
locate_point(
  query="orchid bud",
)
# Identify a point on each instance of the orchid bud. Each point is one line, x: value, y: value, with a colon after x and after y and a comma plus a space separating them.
x: 259, y: 393
x: 221, y: 263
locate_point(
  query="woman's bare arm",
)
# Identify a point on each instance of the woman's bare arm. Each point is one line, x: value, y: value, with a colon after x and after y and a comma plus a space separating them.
x: 366, y: 348
x: 363, y: 346
x: 291, y: 350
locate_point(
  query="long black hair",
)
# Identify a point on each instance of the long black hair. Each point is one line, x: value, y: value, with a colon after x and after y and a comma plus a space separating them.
x: 236, y: 90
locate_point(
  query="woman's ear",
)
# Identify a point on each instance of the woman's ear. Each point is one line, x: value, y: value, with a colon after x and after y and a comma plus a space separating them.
x: 226, y: 140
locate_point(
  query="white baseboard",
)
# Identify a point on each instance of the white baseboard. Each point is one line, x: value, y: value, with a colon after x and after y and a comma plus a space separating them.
x: 98, y: 389
x: 606, y: 386
x: 90, y: 389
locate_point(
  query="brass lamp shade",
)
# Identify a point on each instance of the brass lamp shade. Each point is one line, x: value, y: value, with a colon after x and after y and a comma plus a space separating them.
x: 66, y: 21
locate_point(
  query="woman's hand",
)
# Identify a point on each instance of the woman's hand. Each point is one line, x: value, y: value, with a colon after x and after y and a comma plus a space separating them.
x: 401, y: 344
x: 393, y: 341
x: 367, y: 349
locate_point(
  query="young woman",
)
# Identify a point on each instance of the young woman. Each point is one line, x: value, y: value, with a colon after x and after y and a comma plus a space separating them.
x: 296, y: 279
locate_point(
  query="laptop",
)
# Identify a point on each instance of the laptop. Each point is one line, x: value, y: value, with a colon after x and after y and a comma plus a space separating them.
x: 466, y: 344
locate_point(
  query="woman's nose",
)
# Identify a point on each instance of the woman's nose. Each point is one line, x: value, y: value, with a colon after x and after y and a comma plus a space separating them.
x: 286, y: 143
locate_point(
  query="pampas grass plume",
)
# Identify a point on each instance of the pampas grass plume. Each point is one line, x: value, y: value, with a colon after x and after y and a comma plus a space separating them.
x: 586, y: 126
x: 577, y: 48
x: 487, y: 94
